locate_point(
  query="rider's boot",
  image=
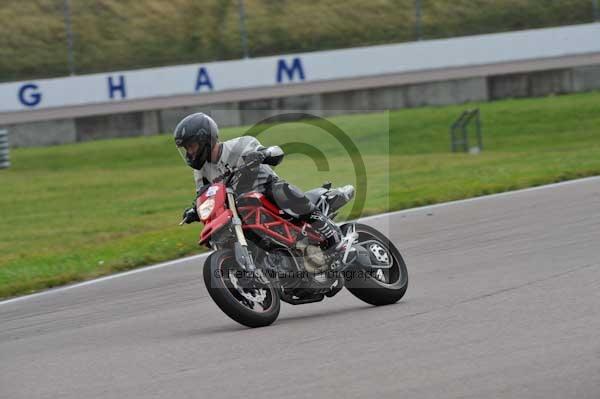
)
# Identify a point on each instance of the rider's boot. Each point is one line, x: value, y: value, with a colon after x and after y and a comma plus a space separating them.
x: 325, y: 226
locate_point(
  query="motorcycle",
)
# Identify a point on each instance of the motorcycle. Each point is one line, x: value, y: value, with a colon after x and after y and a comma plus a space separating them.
x: 263, y: 255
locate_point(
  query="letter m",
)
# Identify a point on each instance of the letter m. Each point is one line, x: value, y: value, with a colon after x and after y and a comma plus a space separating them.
x: 289, y: 71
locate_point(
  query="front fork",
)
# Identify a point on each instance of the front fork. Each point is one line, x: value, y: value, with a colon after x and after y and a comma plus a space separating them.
x: 242, y: 255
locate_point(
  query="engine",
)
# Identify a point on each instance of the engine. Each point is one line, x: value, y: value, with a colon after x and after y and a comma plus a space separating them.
x: 305, y: 270
x: 315, y: 260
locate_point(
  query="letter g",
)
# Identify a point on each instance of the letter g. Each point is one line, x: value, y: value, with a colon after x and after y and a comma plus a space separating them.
x: 29, y: 95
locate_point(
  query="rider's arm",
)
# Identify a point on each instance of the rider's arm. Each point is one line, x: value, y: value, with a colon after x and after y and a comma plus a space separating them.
x: 248, y: 146
x: 254, y: 151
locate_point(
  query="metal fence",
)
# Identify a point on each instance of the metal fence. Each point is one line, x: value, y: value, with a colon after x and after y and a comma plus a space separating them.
x: 459, y: 132
x: 4, y: 150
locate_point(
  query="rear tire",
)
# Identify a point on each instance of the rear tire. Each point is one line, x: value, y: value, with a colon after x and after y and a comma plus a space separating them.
x: 224, y: 288
x: 368, y: 288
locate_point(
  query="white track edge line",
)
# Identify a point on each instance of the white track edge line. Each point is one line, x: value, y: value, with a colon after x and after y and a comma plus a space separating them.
x: 481, y: 197
x: 101, y: 279
x: 175, y: 261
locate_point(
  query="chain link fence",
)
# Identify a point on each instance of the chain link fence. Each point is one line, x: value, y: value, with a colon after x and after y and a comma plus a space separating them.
x: 46, y: 38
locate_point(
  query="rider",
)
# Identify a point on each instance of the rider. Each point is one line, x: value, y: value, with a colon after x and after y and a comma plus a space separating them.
x: 197, y: 139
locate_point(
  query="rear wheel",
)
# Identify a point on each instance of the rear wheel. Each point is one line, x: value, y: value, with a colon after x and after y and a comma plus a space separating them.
x: 379, y: 286
x: 241, y: 297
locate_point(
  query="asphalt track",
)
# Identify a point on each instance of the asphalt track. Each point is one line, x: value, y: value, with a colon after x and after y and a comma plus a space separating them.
x: 503, y: 302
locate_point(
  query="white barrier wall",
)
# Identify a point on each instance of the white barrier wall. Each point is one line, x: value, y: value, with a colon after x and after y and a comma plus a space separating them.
x: 300, y: 68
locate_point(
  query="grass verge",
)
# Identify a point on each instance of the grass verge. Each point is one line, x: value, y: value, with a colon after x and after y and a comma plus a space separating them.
x: 75, y: 212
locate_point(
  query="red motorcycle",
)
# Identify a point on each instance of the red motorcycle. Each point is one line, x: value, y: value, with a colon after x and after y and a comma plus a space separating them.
x: 262, y: 255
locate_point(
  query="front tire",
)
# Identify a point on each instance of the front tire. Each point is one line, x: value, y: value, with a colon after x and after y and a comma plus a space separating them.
x: 385, y: 287
x: 245, y: 300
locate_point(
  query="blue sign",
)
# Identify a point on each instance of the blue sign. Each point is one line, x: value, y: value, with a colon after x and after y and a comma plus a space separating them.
x: 254, y: 75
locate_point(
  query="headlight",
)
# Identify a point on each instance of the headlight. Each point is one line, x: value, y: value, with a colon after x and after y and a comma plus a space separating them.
x: 206, y: 209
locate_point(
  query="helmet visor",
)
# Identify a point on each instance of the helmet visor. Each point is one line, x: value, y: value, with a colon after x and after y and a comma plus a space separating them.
x: 194, y: 154
x: 183, y: 152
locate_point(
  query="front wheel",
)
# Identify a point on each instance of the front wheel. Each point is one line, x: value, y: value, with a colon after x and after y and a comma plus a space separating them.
x: 381, y: 286
x: 238, y: 294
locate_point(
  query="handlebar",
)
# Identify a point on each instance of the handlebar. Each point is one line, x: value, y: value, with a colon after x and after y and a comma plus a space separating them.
x: 271, y: 156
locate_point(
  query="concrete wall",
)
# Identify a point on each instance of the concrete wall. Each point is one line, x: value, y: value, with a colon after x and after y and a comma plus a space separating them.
x: 586, y: 78
x: 534, y: 84
x: 59, y: 131
x: 117, y: 125
x: 245, y: 112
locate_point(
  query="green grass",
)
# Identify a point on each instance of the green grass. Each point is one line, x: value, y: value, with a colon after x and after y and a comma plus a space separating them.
x: 79, y: 211
x: 125, y: 34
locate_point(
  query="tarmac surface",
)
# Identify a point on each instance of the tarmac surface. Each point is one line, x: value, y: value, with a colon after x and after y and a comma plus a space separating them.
x: 503, y: 302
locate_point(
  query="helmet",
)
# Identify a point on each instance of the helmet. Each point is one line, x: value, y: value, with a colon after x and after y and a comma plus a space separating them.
x: 199, y: 129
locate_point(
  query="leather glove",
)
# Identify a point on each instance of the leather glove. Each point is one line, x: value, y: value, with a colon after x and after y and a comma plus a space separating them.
x: 256, y: 157
x: 190, y: 215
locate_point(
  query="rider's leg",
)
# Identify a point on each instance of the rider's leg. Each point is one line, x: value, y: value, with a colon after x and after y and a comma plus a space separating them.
x: 293, y: 201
